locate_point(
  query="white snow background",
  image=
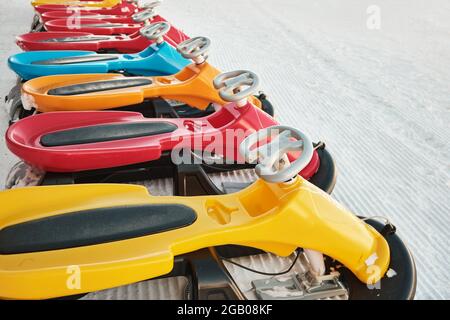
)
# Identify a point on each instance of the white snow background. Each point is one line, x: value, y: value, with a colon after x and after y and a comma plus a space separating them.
x: 379, y: 98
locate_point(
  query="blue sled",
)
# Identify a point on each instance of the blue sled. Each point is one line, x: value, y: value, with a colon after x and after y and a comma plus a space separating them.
x: 156, y: 60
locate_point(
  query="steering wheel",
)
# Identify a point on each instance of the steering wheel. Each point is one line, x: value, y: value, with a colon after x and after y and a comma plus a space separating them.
x: 150, y: 5
x: 236, y: 86
x: 195, y: 49
x: 144, y: 15
x: 273, y: 164
x: 155, y: 31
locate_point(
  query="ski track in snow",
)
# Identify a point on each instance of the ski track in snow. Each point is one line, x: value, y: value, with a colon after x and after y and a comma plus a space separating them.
x: 380, y: 99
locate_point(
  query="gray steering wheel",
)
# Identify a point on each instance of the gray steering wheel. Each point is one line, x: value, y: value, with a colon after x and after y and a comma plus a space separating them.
x: 155, y: 31
x: 195, y: 49
x: 273, y: 164
x: 143, y: 16
x: 150, y: 5
x: 236, y: 85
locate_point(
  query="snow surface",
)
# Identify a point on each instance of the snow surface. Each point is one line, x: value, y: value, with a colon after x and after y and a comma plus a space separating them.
x: 380, y: 99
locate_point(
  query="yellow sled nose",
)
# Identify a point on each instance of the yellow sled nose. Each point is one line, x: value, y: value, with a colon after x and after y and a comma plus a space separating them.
x: 336, y: 232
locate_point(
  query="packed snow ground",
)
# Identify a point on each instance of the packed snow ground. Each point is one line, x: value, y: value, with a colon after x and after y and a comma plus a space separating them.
x: 379, y: 98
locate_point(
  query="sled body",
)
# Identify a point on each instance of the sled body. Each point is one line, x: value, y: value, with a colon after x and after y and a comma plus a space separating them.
x: 76, y: 40
x: 124, y: 8
x: 84, y: 3
x: 82, y: 15
x: 193, y: 85
x: 114, y: 249
x: 79, y: 141
x: 94, y: 26
x: 155, y: 60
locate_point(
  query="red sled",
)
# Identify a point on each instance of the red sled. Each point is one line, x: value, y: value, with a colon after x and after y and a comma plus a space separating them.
x: 88, y: 140
x: 104, y: 27
x: 124, y: 9
x: 55, y: 15
x: 132, y: 43
x: 94, y: 26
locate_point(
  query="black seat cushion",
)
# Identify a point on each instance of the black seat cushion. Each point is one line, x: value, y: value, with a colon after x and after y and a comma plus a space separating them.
x: 98, y: 86
x: 76, y: 39
x: 106, y: 132
x: 76, y: 59
x: 95, y: 226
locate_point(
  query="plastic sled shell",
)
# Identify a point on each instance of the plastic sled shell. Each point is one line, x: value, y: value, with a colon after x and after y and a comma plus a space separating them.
x: 132, y: 43
x: 192, y: 85
x: 150, y: 62
x: 286, y: 217
x: 124, y: 8
x: 55, y: 15
x: 59, y: 152
x: 94, y: 26
x: 83, y: 3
